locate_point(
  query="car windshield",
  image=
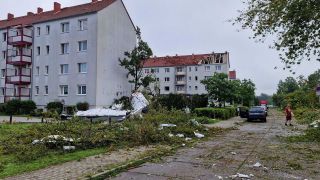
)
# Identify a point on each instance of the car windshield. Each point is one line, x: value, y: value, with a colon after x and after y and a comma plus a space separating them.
x: 256, y: 109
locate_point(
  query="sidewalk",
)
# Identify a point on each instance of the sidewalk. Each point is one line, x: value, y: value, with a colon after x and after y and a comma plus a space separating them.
x: 19, y: 119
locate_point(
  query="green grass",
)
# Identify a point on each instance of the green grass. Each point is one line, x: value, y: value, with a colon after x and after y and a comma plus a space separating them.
x: 7, y: 129
x: 13, y: 168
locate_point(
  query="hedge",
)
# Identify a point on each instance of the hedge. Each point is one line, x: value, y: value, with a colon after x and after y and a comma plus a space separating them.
x: 55, y: 106
x: 82, y: 106
x: 216, y: 113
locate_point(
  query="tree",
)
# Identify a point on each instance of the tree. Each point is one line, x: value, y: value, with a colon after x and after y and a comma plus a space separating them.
x: 134, y: 62
x: 288, y: 86
x: 247, y: 91
x: 294, y: 23
x: 219, y: 87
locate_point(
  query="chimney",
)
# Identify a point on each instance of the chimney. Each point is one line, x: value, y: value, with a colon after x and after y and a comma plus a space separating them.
x: 30, y: 14
x: 56, y: 7
x: 40, y: 10
x: 94, y: 1
x: 10, y: 16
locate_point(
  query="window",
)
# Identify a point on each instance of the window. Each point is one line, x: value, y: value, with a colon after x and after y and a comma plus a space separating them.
x: 82, y: 45
x: 157, y: 79
x: 65, y: 27
x: 83, y: 24
x: 179, y: 69
x: 218, y: 68
x: 37, y: 90
x: 3, y: 73
x: 196, y: 88
x: 189, y: 69
x: 82, y: 67
x: 190, y: 88
x: 37, y: 70
x: 146, y: 71
x: 64, y: 90
x: 38, y: 31
x: 48, y: 49
x: 47, y: 29
x: 46, y: 90
x: 46, y: 70
x: 4, y: 55
x: 196, y: 78
x: 207, y: 77
x: 155, y: 70
x: 189, y: 78
x: 82, y: 89
x: 2, y: 91
x: 167, y: 88
x: 64, y: 69
x: 4, y: 37
x: 196, y: 68
x: 207, y: 68
x: 167, y: 70
x: 166, y: 79
x: 38, y: 51
x: 64, y: 48
x: 180, y: 88
x: 180, y: 78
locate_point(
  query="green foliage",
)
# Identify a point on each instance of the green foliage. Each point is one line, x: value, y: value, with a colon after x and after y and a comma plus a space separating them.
x: 82, y: 106
x: 125, y: 101
x: 3, y: 108
x: 27, y: 107
x: 134, y: 61
x: 306, y: 115
x: 216, y: 113
x: 173, y: 101
x: 13, y: 107
x: 55, y: 106
x: 206, y: 120
x: 198, y: 101
x: 311, y: 135
x: 288, y: 86
x: 294, y: 23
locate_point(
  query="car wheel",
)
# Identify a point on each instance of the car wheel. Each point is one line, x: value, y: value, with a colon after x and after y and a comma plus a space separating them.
x: 264, y: 120
x: 248, y: 119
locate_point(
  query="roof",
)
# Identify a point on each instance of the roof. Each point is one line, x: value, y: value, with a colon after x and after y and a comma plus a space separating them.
x: 51, y: 15
x: 175, y: 60
x: 232, y: 74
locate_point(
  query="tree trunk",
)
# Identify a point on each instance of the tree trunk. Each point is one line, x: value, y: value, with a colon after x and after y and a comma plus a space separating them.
x: 10, y: 121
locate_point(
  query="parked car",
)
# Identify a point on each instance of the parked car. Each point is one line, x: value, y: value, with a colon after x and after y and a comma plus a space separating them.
x: 265, y: 108
x: 257, y: 112
x: 243, y: 111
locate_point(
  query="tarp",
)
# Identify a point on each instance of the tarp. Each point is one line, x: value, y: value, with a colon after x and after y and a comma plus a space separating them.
x: 100, y: 112
x: 138, y: 102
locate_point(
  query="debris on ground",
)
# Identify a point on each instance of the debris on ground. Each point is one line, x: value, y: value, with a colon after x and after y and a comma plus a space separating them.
x: 183, y: 145
x: 239, y: 175
x: 138, y: 102
x: 195, y: 122
x: 170, y: 135
x: 198, y: 135
x: 315, y: 124
x: 188, y: 139
x: 166, y: 125
x: 180, y: 135
x: 100, y: 112
x: 69, y: 148
x: 52, y: 139
x: 257, y: 164
x: 117, y: 106
x: 233, y: 153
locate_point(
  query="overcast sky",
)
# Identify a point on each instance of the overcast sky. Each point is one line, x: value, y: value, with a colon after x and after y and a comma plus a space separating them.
x: 192, y: 26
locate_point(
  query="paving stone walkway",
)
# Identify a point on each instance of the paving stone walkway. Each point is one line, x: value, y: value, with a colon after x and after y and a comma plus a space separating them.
x: 84, y: 168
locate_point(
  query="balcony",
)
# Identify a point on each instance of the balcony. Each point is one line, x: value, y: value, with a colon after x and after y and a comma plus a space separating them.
x: 20, y: 36
x: 19, y: 57
x: 181, y: 92
x: 9, y: 98
x: 18, y: 76
x: 17, y: 92
x: 181, y: 82
x: 181, y: 73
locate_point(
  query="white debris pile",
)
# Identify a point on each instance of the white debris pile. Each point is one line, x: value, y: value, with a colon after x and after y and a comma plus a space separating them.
x: 198, y: 135
x: 180, y: 135
x: 53, y: 139
x: 242, y: 176
x: 233, y: 153
x: 315, y: 124
x: 257, y: 165
x: 117, y: 106
x: 194, y: 122
x: 69, y: 148
x: 138, y: 102
x: 100, y: 112
x: 166, y: 125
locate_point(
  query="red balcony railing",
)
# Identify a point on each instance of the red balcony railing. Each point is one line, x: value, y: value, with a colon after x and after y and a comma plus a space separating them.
x: 19, y: 57
x: 20, y: 36
x: 18, y: 76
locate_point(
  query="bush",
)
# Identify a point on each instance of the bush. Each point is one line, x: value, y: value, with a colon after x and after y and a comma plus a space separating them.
x: 82, y: 106
x: 172, y: 101
x: 306, y: 115
x: 3, y: 108
x: 55, y: 106
x: 125, y: 101
x: 198, y: 101
x: 71, y: 110
x: 13, y: 107
x: 216, y: 113
x: 27, y: 107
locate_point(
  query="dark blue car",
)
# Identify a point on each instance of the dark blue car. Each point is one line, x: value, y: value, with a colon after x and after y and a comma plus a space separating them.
x: 257, y: 112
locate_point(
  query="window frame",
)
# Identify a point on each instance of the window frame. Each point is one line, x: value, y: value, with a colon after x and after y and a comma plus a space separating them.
x: 81, y: 46
x: 64, y: 69
x: 81, y: 26
x: 81, y: 88
x: 62, y: 90
x: 86, y: 68
x: 63, y: 27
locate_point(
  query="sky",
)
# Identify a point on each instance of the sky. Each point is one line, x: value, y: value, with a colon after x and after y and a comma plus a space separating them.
x: 193, y: 27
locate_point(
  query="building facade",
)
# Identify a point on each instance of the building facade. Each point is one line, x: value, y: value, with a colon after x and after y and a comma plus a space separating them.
x: 67, y: 54
x: 183, y: 74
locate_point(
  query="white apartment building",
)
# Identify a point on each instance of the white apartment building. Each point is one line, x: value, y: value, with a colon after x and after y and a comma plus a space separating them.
x: 67, y: 54
x: 183, y: 74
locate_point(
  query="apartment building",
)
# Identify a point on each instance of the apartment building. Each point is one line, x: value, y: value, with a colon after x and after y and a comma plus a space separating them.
x: 67, y: 54
x: 183, y: 74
